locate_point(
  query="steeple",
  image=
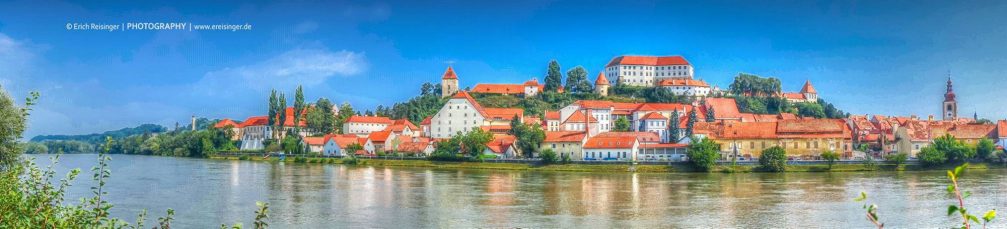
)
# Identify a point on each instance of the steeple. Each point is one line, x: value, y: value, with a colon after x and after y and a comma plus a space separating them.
x: 449, y: 83
x: 949, y: 109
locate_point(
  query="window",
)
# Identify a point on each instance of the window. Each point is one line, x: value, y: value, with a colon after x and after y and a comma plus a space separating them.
x: 751, y: 145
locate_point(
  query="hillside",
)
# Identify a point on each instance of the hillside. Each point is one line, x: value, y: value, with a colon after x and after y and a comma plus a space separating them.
x: 98, y: 137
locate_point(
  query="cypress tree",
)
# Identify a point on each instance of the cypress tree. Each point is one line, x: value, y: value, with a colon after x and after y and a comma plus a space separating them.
x: 673, y: 128
x: 691, y: 123
x: 553, y: 78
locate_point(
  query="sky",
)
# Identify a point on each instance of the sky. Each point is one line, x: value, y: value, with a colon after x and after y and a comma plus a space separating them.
x: 866, y: 57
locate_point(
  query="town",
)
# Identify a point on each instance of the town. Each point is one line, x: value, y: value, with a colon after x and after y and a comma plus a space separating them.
x: 605, y: 128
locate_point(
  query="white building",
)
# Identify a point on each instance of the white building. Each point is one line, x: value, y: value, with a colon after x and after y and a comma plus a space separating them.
x: 460, y: 114
x: 685, y: 86
x: 335, y: 145
x: 646, y: 70
x: 656, y: 123
x: 608, y: 148
x: 365, y: 125
x: 254, y: 130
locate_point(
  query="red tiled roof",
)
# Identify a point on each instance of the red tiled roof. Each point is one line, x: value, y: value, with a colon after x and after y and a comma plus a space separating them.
x: 496, y: 128
x: 314, y: 141
x: 601, y: 79
x: 289, y: 119
x: 370, y: 119
x: 552, y: 115
x: 531, y: 82
x: 426, y: 121
x: 532, y: 121
x: 579, y: 117
x: 792, y: 95
x: 564, y: 136
x: 449, y: 74
x: 723, y: 107
x: 509, y: 89
x: 379, y: 136
x: 672, y: 82
x: 413, y: 147
x: 1002, y: 129
x: 465, y: 95
x: 225, y: 122
x: 255, y: 121
x: 654, y: 115
x: 966, y: 131
x: 500, y: 143
x: 343, y: 140
x: 618, y: 142
x: 808, y: 88
x: 503, y: 113
x: 648, y: 60
x: 642, y: 136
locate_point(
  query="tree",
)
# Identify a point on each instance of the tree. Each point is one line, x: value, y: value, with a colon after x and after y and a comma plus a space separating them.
x: 529, y: 137
x: 703, y: 153
x: 281, y: 116
x: 830, y: 157
x: 753, y: 85
x: 899, y: 158
x: 548, y: 156
x: 553, y: 77
x: 930, y: 156
x: 474, y: 142
x: 621, y: 125
x: 984, y: 149
x: 352, y: 148
x: 710, y: 116
x: 298, y: 107
x: 773, y: 159
x: 576, y: 81
x: 345, y: 111
x: 321, y: 118
x: 13, y: 121
x: 674, y: 127
x: 273, y: 104
x: 953, y: 149
x: 691, y: 123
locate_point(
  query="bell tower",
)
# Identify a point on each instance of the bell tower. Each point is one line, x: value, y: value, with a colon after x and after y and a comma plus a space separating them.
x: 949, y: 109
x: 449, y: 83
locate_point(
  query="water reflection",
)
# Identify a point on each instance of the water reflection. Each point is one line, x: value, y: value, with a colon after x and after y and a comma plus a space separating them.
x: 205, y: 193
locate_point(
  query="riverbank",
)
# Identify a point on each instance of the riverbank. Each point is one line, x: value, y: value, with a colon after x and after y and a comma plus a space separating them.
x: 639, y: 168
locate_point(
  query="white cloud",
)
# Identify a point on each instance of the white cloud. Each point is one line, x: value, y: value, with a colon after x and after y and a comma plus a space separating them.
x: 16, y: 57
x: 308, y: 67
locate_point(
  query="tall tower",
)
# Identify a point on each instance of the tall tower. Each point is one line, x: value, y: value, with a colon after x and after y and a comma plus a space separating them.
x: 601, y: 85
x: 809, y: 92
x: 950, y: 107
x: 449, y: 83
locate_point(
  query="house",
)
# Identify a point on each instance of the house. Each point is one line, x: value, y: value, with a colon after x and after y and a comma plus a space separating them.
x: 460, y: 114
x: 580, y: 121
x: 335, y: 145
x: 315, y: 144
x: 663, y: 152
x: 647, y: 70
x: 502, y: 146
x: 529, y: 88
x: 685, y: 86
x: 229, y: 124
x: 365, y: 125
x: 913, y: 136
x: 417, y: 147
x: 1001, y: 139
x: 609, y: 148
x: 605, y: 113
x: 802, y: 138
x: 806, y: 95
x: 565, y: 143
x: 378, y: 141
x: 969, y: 133
x: 404, y: 127
x: 255, y: 130
x: 552, y: 120
x: 425, y: 127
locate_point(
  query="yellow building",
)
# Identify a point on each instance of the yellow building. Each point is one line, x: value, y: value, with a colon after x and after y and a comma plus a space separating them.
x: 802, y: 139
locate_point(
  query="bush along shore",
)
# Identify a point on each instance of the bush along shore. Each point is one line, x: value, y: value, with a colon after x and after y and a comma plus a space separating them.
x: 580, y: 166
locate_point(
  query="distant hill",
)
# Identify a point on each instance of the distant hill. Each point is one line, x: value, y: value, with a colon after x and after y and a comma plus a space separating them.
x: 121, y: 133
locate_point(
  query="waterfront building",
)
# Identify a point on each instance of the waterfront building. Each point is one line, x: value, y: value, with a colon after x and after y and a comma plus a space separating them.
x: 228, y: 124
x: 611, y: 148
x: 315, y: 144
x: 502, y: 146
x: 1001, y: 139
x: 335, y: 144
x: 418, y: 146
x: 802, y: 138
x: 565, y: 143
x: 462, y: 114
x: 255, y: 130
x: 365, y: 125
x: 646, y: 70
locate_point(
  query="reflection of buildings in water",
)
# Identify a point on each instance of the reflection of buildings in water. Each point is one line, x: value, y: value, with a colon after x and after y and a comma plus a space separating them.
x: 500, y: 197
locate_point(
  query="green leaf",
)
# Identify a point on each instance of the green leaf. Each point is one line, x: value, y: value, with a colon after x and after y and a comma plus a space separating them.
x: 952, y: 209
x: 951, y: 188
x: 862, y: 197
x: 967, y: 194
x: 990, y: 215
x: 959, y: 169
x: 951, y: 175
x: 973, y: 218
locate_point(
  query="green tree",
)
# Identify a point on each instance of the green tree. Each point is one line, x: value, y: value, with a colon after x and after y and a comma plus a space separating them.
x: 621, y: 125
x: 299, y: 106
x: 691, y: 124
x: 13, y: 119
x: 898, y: 158
x: 930, y: 156
x: 273, y: 104
x: 810, y: 110
x: 710, y: 115
x: 773, y: 159
x: 352, y: 148
x: 954, y: 149
x: 830, y: 157
x: 529, y: 137
x: 985, y: 148
x: 703, y: 154
x: 674, y: 127
x: 576, y: 81
x: 553, y: 77
x: 345, y: 111
x: 474, y: 142
x: 753, y: 85
x: 548, y: 156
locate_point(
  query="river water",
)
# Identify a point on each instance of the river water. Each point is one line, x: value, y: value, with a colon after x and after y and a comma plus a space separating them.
x: 205, y: 193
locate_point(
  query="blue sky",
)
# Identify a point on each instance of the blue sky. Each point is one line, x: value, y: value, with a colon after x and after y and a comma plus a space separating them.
x: 877, y: 57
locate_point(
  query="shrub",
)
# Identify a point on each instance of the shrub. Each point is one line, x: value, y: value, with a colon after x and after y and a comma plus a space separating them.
x: 703, y: 154
x: 444, y: 156
x: 898, y: 158
x: 565, y: 159
x: 930, y: 156
x: 243, y: 157
x: 548, y: 156
x: 985, y: 149
x: 773, y: 159
x: 830, y: 158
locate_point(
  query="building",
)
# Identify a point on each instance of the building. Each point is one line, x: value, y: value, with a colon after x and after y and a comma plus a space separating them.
x: 255, y: 130
x: 552, y: 120
x: 949, y: 108
x: 601, y: 85
x: 231, y: 125
x: 565, y: 143
x: 365, y: 125
x: 449, y: 83
x: 912, y: 136
x: 529, y: 88
x: 611, y: 148
x: 460, y: 114
x: 806, y: 95
x: 335, y: 145
x: 315, y: 144
x: 502, y: 146
x: 646, y: 70
x: 802, y: 138
x: 604, y: 113
x: 685, y: 86
x: 416, y: 147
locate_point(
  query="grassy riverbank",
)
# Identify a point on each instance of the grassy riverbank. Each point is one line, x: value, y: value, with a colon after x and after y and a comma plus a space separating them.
x: 675, y: 167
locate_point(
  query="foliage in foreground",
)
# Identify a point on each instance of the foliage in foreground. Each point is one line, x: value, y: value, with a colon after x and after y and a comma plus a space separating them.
x: 703, y: 153
x: 959, y: 208
x: 773, y: 159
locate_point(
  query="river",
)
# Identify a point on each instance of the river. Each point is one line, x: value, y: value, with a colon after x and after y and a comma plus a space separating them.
x: 205, y: 193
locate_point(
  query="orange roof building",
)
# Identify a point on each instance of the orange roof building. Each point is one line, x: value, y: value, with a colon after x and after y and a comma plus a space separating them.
x: 802, y: 138
x: 529, y: 88
x: 648, y: 70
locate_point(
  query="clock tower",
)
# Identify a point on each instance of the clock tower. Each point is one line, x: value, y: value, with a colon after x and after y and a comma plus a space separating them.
x: 950, y: 107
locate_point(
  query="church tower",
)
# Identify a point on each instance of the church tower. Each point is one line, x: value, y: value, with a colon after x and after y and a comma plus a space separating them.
x: 449, y: 83
x: 950, y: 107
x: 601, y: 85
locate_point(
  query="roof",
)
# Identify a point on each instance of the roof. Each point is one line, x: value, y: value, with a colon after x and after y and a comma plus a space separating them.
x: 966, y: 131
x: 400, y: 125
x: 532, y: 120
x: 564, y: 136
x: 370, y: 119
x: 289, y: 117
x: 225, y: 122
x: 504, y: 113
x: 1002, y: 129
x: 531, y: 83
x: 500, y: 143
x: 343, y: 140
x: 580, y: 117
x: 449, y: 74
x: 601, y: 79
x: 413, y: 147
x: 617, y: 142
x: 654, y: 115
x: 552, y: 115
x: 255, y: 121
x: 808, y: 88
x: 496, y: 128
x: 672, y: 82
x: 810, y: 126
x: 793, y: 96
x: 642, y: 136
x: 426, y: 121
x: 723, y: 107
x: 503, y: 88
x: 314, y: 141
x: 648, y: 60
x: 379, y: 136
x: 465, y: 95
